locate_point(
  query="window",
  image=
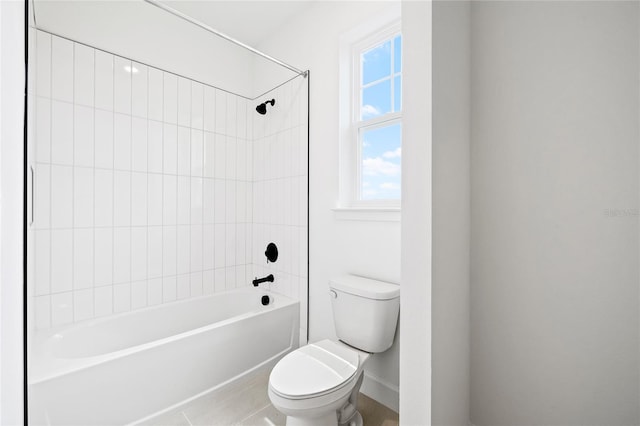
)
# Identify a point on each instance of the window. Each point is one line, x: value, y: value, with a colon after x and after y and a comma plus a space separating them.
x: 371, y: 145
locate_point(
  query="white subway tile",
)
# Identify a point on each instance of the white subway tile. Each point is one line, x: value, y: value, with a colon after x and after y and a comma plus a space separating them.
x: 154, y: 291
x: 83, y: 304
x: 61, y: 133
x: 197, y: 105
x: 103, y: 148
x: 138, y: 199
x: 220, y: 157
x: 61, y: 308
x: 42, y: 312
x: 220, y: 280
x: 154, y: 147
x: 196, y: 284
x: 184, y: 151
x: 241, y: 118
x: 103, y: 197
x: 121, y: 298
x: 230, y: 203
x: 219, y: 200
x: 197, y: 152
x: 184, y: 200
x: 169, y: 289
x: 196, y: 201
x: 209, y: 151
x: 221, y: 112
x: 122, y: 142
x: 183, y: 246
x: 61, y: 69
x: 122, y: 198
x: 208, y: 282
x: 61, y: 197
x: 169, y: 200
x: 121, y: 255
x: 42, y: 208
x: 138, y: 253
x: 138, y: 294
x: 241, y: 200
x: 183, y: 286
x: 230, y: 277
x: 241, y: 159
x: 139, y: 144
x: 184, y: 102
x: 42, y: 260
x: 170, y: 149
x: 83, y: 197
x: 232, y: 115
x: 208, y: 246
x: 32, y: 60
x: 209, y: 113
x: 43, y: 130
x: 196, y: 248
x: 250, y: 161
x: 104, y: 80
x: 154, y: 194
x: 83, y: 75
x: 230, y: 239
x: 169, y: 253
x: 170, y: 98
x: 83, y: 132
x: 139, y: 91
x: 154, y: 251
x: 103, y: 256
x: 241, y: 278
x: 103, y: 302
x: 122, y: 85
x: 155, y: 94
x: 220, y: 248
x: 208, y: 201
x: 61, y: 260
x: 43, y: 64
x: 241, y: 244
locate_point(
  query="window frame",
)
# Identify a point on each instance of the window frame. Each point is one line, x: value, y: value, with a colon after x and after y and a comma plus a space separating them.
x: 351, y: 123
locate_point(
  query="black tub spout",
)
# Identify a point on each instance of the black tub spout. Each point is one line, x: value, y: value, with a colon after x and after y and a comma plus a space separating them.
x: 268, y: 278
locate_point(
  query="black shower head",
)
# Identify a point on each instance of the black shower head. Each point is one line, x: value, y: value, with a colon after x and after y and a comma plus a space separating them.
x: 262, y: 108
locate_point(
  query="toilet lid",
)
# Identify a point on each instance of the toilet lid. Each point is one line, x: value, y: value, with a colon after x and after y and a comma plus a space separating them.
x: 314, y: 369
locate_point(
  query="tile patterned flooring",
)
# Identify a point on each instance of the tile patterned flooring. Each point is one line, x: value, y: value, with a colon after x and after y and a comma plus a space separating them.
x: 245, y: 403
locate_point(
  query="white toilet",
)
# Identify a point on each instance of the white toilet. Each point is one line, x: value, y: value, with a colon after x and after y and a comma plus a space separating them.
x: 318, y: 384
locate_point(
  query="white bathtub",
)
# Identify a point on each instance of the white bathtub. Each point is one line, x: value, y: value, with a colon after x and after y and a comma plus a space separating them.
x: 129, y: 367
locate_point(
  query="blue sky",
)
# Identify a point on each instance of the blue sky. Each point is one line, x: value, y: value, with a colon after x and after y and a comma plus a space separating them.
x: 381, y: 150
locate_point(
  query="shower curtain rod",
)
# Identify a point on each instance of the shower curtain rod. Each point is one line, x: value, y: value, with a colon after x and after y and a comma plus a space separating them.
x: 206, y: 27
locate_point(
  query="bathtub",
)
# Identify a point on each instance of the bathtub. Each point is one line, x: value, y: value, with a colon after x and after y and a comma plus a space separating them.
x: 130, y: 367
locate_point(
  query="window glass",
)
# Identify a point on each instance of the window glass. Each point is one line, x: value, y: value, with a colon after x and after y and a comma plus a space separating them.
x: 397, y: 93
x: 397, y: 54
x: 380, y: 154
x: 376, y: 63
x: 376, y: 100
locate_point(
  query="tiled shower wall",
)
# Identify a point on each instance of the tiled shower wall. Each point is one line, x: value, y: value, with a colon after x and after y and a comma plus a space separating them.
x: 143, y: 186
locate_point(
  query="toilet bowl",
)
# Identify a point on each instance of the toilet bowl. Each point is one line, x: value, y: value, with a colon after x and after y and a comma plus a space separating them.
x: 318, y: 384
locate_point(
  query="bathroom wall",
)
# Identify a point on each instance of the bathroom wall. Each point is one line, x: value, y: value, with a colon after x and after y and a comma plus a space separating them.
x: 142, y: 185
x: 280, y: 185
x: 337, y: 245
x: 451, y: 212
x: 554, y: 202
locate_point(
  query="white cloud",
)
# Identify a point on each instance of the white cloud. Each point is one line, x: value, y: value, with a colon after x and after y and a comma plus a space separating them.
x: 370, y: 110
x: 377, y: 166
x: 389, y: 185
x: 396, y: 153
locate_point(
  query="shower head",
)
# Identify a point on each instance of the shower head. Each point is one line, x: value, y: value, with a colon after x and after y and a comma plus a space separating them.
x: 262, y: 108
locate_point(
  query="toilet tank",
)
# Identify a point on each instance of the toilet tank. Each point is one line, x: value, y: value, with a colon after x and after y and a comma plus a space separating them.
x: 365, y: 311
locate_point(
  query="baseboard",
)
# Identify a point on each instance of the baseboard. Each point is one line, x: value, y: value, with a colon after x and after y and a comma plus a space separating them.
x: 385, y: 393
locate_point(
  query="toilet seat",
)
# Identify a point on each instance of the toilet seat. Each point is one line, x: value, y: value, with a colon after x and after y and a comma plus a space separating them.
x: 314, y: 370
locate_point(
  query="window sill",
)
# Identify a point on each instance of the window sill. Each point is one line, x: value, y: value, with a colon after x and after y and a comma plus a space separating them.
x: 383, y: 214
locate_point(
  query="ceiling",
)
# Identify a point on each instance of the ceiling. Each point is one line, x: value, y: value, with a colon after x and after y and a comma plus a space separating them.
x: 248, y: 21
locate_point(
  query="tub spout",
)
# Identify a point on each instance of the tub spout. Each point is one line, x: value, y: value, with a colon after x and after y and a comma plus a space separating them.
x: 268, y: 278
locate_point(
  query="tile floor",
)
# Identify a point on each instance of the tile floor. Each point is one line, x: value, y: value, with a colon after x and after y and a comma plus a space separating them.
x: 245, y: 403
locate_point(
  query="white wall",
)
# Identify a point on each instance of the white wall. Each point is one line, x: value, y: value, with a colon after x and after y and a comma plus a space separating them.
x: 451, y: 212
x: 337, y: 246
x: 12, y: 83
x: 554, y: 199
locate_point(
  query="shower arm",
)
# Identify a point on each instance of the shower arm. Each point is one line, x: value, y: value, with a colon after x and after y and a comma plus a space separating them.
x: 206, y: 27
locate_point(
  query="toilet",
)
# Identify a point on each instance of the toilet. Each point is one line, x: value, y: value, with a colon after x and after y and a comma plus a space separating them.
x: 318, y: 384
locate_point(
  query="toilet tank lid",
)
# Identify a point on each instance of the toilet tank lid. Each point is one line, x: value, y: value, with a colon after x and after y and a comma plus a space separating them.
x: 365, y: 287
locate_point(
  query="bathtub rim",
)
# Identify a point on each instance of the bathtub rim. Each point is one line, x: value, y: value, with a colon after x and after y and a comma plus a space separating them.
x: 45, y: 366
